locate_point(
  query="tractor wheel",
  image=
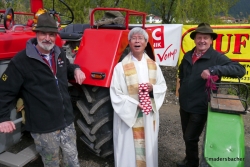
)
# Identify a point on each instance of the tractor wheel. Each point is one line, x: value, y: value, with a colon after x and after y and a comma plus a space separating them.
x: 96, y: 120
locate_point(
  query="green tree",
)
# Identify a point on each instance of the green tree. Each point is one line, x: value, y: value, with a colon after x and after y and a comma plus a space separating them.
x: 193, y: 11
x: 171, y: 11
x: 17, y: 6
x: 2, y: 6
x: 138, y: 5
x: 166, y: 9
x: 79, y: 9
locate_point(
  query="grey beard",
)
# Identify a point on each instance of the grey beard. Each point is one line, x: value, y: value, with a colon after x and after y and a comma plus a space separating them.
x: 46, y: 47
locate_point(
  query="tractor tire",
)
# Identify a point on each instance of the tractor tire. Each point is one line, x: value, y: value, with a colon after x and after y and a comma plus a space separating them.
x: 96, y: 120
x: 94, y: 116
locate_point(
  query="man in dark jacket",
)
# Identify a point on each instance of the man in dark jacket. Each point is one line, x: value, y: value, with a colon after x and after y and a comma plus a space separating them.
x: 196, y: 67
x: 40, y: 75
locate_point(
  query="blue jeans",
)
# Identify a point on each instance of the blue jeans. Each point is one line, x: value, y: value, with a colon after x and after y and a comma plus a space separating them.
x: 48, y: 145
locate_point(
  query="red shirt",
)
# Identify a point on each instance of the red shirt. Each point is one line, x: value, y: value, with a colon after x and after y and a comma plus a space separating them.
x: 50, y: 60
x: 196, y: 56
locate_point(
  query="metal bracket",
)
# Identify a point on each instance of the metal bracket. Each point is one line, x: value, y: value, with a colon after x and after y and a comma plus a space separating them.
x: 20, y: 159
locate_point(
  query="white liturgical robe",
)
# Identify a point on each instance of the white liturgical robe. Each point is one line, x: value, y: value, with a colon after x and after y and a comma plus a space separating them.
x: 125, y: 109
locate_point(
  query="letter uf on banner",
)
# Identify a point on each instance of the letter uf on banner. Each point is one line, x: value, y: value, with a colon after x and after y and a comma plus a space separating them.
x: 158, y: 36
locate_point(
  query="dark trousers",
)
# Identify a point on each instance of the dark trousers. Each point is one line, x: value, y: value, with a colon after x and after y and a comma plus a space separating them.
x: 192, y: 126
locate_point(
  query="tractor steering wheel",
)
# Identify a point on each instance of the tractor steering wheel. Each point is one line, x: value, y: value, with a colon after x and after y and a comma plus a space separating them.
x: 8, y: 18
x: 66, y: 16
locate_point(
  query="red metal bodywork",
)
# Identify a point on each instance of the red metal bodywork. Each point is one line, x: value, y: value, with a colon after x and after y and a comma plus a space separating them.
x: 101, y: 49
x: 35, y: 5
x: 14, y: 40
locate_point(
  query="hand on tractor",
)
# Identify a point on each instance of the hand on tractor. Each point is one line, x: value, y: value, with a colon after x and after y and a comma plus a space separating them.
x: 79, y: 76
x: 7, y: 127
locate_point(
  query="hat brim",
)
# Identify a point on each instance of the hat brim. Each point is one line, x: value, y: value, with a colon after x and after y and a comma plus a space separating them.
x: 43, y: 29
x: 193, y: 34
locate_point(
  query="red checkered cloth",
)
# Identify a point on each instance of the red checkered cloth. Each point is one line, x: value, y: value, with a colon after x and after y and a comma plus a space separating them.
x: 144, y: 98
x: 210, y: 85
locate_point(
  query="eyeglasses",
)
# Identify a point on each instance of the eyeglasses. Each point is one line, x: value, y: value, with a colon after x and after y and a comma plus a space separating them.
x: 137, y: 39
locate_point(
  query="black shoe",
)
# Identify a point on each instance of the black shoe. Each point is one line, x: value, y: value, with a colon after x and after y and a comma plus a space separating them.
x: 182, y: 163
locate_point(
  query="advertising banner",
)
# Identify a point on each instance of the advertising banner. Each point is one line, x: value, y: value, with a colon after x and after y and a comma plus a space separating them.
x: 167, y: 41
x: 172, y: 41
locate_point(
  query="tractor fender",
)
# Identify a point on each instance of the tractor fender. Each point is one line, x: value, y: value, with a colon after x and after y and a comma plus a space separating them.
x: 99, y: 52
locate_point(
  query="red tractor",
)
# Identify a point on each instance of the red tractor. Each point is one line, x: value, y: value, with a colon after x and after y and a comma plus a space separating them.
x: 97, y: 49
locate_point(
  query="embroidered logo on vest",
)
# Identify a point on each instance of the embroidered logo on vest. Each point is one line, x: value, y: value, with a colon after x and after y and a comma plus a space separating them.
x: 4, y: 77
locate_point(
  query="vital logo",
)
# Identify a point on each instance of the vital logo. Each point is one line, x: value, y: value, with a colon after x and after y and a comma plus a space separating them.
x: 168, y: 53
x: 158, y: 36
x: 4, y: 77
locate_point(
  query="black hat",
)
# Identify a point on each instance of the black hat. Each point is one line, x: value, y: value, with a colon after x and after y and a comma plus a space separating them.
x: 46, y: 23
x: 203, y: 28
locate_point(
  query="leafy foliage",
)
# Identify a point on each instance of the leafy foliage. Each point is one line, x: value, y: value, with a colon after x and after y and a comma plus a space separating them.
x: 241, y: 91
x: 166, y: 9
x: 171, y: 11
x: 193, y: 11
x: 17, y: 5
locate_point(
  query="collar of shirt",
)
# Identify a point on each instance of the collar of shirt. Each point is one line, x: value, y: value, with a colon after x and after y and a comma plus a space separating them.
x: 48, y: 57
x: 135, y: 59
x: 197, y: 55
x: 44, y: 55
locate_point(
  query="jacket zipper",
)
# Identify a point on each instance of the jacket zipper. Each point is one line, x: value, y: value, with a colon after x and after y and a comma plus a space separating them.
x: 57, y: 83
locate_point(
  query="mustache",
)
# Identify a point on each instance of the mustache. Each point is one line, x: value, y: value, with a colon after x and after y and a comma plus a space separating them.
x: 46, y: 41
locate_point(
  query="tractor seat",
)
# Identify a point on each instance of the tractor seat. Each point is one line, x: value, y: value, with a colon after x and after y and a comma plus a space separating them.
x: 227, y: 104
x: 111, y: 26
x: 73, y: 31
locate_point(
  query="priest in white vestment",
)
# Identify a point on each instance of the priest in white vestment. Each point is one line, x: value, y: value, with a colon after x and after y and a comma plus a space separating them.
x: 135, y: 131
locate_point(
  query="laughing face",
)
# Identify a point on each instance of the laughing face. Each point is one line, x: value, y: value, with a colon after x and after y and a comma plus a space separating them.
x: 202, y: 42
x: 137, y: 45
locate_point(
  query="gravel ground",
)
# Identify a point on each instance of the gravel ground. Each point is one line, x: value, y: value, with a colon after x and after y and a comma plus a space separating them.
x: 171, y: 145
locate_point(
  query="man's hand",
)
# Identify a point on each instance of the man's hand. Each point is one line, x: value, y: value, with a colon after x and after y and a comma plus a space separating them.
x: 205, y: 74
x: 79, y: 76
x: 7, y: 127
x: 140, y: 106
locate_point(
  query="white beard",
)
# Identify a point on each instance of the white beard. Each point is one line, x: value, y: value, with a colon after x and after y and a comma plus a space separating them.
x: 45, y: 47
